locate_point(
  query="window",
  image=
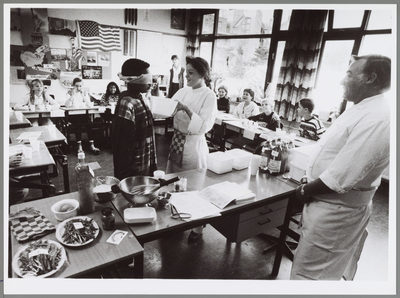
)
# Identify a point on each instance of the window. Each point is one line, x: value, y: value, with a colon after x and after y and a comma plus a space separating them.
x: 328, y: 93
x: 241, y: 63
x: 205, y: 51
x: 244, y: 22
x: 377, y: 44
x: 347, y: 18
x: 380, y: 19
x: 208, y: 24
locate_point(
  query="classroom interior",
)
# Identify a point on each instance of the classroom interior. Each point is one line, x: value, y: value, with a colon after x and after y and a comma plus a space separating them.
x: 246, y: 47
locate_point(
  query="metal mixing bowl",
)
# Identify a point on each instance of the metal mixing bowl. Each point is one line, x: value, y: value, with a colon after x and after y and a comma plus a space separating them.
x: 128, y: 183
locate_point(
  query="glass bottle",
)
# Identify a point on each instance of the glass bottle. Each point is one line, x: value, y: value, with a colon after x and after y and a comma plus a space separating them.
x: 290, y: 146
x: 265, y: 155
x: 85, y: 182
x: 107, y: 218
x: 79, y: 146
x: 275, y: 162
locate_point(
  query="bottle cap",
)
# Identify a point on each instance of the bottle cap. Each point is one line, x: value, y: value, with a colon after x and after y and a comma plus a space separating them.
x: 106, y: 211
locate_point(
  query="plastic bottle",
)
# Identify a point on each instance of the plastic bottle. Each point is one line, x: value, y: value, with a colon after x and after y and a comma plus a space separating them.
x: 290, y: 146
x: 85, y: 182
x: 265, y: 155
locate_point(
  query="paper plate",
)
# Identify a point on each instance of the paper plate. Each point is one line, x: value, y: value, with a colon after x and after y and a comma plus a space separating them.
x: 61, y: 228
x: 17, y: 268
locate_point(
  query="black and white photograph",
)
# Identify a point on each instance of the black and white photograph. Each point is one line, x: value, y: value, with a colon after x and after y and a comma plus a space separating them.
x: 200, y: 149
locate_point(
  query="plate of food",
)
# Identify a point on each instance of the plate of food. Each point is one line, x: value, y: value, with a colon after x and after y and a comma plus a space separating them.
x: 77, y: 231
x: 40, y: 258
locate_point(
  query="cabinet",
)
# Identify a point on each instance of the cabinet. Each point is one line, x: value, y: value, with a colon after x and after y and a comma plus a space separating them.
x: 239, y: 227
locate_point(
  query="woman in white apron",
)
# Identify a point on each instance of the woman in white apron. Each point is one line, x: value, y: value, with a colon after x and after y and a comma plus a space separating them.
x: 194, y: 117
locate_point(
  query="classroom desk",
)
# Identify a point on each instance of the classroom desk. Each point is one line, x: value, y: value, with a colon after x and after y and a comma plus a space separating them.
x: 39, y: 164
x: 55, y: 142
x: 237, y: 221
x: 92, y: 257
x: 16, y: 123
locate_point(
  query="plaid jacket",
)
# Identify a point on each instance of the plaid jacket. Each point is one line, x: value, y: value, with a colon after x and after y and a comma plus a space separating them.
x: 133, y: 138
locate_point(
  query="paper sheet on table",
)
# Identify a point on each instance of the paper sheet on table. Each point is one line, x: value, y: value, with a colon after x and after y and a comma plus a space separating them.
x: 163, y: 106
x: 190, y: 202
x: 249, y: 134
x: 16, y: 149
x: 57, y: 113
x: 31, y: 134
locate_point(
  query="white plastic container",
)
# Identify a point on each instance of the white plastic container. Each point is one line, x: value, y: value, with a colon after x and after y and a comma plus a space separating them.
x: 242, y: 158
x: 140, y: 215
x: 296, y: 172
x: 219, y: 162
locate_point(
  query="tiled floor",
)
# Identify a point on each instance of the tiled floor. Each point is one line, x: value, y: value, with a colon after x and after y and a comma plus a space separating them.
x: 215, y: 258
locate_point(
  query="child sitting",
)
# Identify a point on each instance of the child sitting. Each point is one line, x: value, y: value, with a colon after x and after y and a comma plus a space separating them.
x: 248, y: 107
x: 223, y: 101
x: 310, y: 127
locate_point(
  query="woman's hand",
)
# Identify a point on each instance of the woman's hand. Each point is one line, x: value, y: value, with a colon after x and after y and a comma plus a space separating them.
x: 182, y: 107
x: 15, y: 160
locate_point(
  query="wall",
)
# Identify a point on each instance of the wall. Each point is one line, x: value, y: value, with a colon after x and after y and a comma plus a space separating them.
x: 172, y: 42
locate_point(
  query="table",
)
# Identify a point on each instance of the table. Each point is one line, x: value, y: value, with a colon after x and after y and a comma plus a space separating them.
x: 15, y: 123
x: 55, y: 141
x: 271, y: 195
x: 39, y: 164
x: 92, y: 257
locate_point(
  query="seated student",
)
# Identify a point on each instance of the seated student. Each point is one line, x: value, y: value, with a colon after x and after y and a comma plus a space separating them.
x: 223, y: 101
x: 111, y: 95
x: 267, y: 118
x: 39, y: 97
x: 310, y: 127
x: 78, y: 98
x: 248, y: 107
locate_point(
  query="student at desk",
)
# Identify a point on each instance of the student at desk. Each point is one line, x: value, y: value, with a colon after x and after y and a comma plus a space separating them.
x: 39, y: 98
x: 78, y: 98
x: 310, y: 127
x: 248, y: 107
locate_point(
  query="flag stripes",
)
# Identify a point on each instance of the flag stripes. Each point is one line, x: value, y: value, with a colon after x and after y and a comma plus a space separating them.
x: 98, y: 37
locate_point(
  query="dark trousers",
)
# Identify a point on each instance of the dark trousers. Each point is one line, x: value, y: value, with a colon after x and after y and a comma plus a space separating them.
x: 173, y: 89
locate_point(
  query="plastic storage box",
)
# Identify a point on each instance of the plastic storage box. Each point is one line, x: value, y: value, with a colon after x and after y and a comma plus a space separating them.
x: 140, y: 214
x: 219, y: 162
x: 242, y: 158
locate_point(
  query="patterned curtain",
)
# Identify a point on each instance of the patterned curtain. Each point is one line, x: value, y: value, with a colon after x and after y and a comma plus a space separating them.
x: 193, y: 43
x: 297, y: 74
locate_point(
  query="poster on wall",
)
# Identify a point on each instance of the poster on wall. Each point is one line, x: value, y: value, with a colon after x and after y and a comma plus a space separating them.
x: 17, y: 75
x: 178, y: 19
x: 92, y: 72
x: 58, y: 54
x: 103, y: 59
x: 91, y: 58
x: 62, y: 27
x: 66, y: 77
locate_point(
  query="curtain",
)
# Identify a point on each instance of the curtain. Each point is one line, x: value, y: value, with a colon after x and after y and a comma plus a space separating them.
x: 297, y: 74
x: 193, y: 43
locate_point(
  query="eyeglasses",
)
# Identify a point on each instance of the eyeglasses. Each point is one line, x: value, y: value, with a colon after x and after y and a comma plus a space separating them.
x: 177, y: 215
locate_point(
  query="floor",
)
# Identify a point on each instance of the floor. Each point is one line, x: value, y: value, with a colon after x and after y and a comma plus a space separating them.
x: 215, y: 258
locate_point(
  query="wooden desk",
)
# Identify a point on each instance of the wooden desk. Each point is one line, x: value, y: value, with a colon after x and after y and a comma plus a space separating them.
x: 15, y: 123
x: 55, y: 141
x: 236, y: 221
x: 89, y: 258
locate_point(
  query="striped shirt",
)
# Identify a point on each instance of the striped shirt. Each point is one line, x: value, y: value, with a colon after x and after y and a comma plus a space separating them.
x: 311, y: 128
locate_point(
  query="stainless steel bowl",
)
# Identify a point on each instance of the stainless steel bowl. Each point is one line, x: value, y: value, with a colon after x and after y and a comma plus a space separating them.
x: 102, y: 188
x: 128, y: 183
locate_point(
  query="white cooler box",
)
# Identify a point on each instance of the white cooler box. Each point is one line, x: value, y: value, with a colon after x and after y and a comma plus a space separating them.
x: 219, y: 162
x: 298, y: 161
x: 242, y: 158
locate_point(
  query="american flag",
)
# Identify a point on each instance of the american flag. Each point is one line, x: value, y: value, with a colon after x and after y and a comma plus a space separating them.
x: 92, y: 35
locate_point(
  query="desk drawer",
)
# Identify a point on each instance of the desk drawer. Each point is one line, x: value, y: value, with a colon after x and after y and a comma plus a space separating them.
x: 264, y: 210
x: 260, y: 224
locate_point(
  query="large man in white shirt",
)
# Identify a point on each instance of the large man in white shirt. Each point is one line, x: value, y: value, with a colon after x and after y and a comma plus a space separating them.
x: 343, y: 174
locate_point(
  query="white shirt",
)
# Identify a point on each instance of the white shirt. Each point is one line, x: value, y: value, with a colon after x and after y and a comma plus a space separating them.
x: 203, y: 103
x: 78, y: 100
x: 354, y: 151
x: 244, y: 112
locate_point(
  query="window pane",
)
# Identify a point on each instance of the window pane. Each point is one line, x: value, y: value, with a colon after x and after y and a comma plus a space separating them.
x: 329, y: 93
x: 208, y: 24
x: 286, y: 14
x: 347, y: 18
x: 242, y: 22
x: 377, y: 44
x: 277, y: 67
x: 205, y: 51
x: 241, y: 63
x: 380, y: 19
